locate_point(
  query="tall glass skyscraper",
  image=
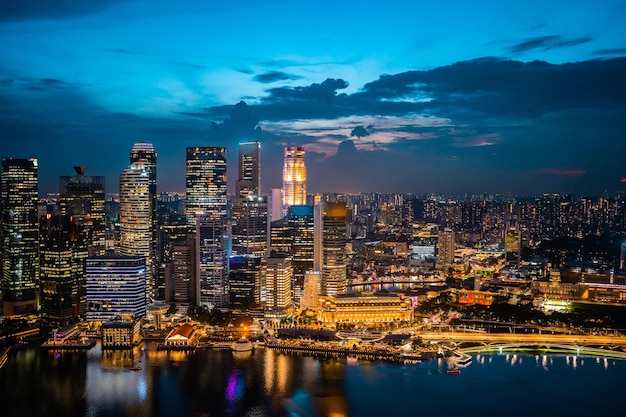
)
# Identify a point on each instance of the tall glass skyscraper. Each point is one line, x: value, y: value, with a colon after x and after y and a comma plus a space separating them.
x: 249, y: 181
x: 63, y: 252
x: 82, y: 197
x: 19, y: 234
x: 294, y: 177
x: 212, y: 262
x: 136, y: 217
x: 205, y: 183
x: 330, y: 246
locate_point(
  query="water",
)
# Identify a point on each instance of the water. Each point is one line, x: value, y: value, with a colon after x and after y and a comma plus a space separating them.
x: 266, y: 383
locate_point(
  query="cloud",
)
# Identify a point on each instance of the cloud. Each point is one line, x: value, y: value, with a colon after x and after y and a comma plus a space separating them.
x: 561, y: 172
x: 546, y: 43
x: 241, y: 125
x: 274, y: 76
x: 359, y: 132
x: 610, y: 51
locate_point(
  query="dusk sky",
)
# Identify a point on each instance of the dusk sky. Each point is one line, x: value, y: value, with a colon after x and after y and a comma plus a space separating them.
x: 526, y: 97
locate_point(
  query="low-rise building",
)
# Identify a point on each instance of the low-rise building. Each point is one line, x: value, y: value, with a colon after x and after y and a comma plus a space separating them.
x: 366, y: 308
x: 120, y: 334
x: 183, y: 335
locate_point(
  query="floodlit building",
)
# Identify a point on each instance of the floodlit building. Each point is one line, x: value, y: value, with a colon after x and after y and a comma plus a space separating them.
x: 366, y: 309
x: 294, y: 177
x: 330, y: 246
x: 278, y: 299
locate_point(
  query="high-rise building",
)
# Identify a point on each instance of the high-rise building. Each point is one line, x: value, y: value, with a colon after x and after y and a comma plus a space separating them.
x: 144, y: 152
x: 330, y: 246
x: 249, y: 225
x: 136, y: 218
x: 294, y: 234
x: 173, y: 232
x: 19, y: 233
x: 245, y: 281
x: 63, y: 252
x: 115, y: 285
x: 249, y: 181
x: 82, y: 197
x: 211, y: 262
x: 294, y: 177
x: 278, y: 299
x: 205, y: 183
x: 445, y: 247
x: 312, y: 290
x: 183, y: 272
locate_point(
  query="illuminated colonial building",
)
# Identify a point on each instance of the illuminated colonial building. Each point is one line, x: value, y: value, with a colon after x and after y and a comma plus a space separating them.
x: 136, y: 217
x: 205, y: 183
x: 19, y: 232
x: 294, y: 177
x: 330, y: 246
x: 366, y: 308
x: 63, y: 252
x: 82, y: 197
x: 278, y: 299
x: 115, y: 285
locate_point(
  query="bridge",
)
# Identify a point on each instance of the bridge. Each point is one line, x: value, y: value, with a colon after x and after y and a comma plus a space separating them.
x: 393, y: 282
x: 597, y: 345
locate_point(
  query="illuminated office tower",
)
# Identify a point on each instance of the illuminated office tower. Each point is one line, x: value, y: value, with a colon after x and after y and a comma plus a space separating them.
x: 63, y: 253
x: 115, y: 285
x: 278, y: 299
x: 183, y: 272
x: 445, y: 248
x: 205, y: 183
x: 244, y: 281
x: 82, y: 197
x: 249, y: 226
x: 294, y: 177
x: 211, y: 262
x: 19, y: 235
x: 136, y: 218
x: 249, y: 181
x: 144, y: 152
x: 330, y: 246
x: 294, y: 234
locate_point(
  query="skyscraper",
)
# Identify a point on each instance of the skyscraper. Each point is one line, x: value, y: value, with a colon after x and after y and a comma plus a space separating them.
x: 249, y: 226
x: 278, y: 301
x: 82, y: 197
x: 144, y: 152
x: 445, y: 248
x: 244, y: 281
x: 205, y: 183
x: 19, y: 234
x: 330, y: 246
x: 249, y: 181
x: 136, y: 217
x: 63, y: 253
x: 294, y: 177
x: 212, y: 262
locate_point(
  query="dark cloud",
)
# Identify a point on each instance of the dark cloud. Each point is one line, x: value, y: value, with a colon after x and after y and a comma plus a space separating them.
x: 46, y: 9
x: 546, y: 43
x: 359, y: 132
x: 611, y: 51
x: 240, y: 126
x: 274, y: 76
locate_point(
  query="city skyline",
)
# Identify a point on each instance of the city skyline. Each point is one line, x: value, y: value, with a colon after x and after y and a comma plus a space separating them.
x: 492, y: 97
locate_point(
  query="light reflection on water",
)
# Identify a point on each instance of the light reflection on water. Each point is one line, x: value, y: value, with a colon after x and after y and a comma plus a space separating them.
x: 266, y: 383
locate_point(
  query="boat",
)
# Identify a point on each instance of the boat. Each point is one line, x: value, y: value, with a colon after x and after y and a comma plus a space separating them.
x: 134, y: 368
x: 454, y: 371
x: 241, y: 345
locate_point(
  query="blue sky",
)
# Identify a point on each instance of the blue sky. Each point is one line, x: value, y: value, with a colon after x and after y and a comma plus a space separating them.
x: 449, y: 96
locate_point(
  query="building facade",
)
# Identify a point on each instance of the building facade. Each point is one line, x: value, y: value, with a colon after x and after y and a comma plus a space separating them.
x: 278, y: 298
x: 294, y: 177
x: 115, y: 285
x: 330, y: 246
x: 19, y: 234
x: 205, y: 178
x: 211, y: 262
